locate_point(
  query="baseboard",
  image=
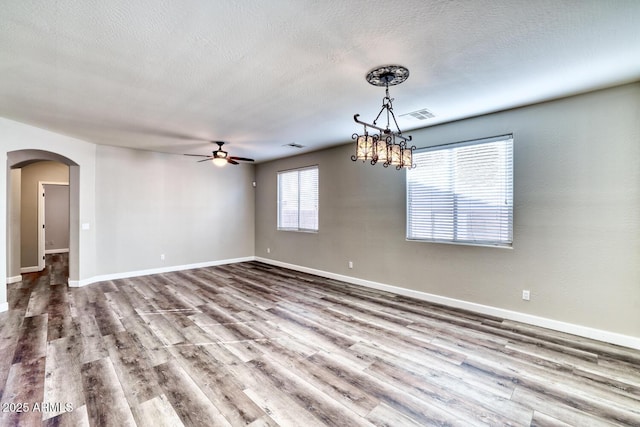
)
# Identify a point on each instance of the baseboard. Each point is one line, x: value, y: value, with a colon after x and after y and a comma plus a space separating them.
x: 570, y: 328
x: 14, y: 279
x: 4, y: 306
x: 125, y: 275
x: 33, y: 269
x: 56, y: 251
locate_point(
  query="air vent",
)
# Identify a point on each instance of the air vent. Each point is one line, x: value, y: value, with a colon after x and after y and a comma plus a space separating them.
x: 293, y: 145
x: 423, y: 114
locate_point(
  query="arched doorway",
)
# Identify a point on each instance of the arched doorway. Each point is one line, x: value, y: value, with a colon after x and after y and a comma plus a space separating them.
x: 21, y: 158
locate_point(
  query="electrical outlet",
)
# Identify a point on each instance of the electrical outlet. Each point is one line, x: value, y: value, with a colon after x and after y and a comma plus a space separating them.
x: 161, y: 257
x: 350, y: 264
x: 526, y: 295
x: 268, y: 250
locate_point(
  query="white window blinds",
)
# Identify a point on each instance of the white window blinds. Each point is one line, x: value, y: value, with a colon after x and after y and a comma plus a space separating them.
x: 298, y: 199
x: 462, y: 193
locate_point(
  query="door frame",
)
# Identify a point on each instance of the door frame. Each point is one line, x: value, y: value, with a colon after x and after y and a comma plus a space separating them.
x: 41, y: 224
x: 19, y: 158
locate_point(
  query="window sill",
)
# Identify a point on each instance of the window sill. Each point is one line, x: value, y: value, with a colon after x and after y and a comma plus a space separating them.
x: 298, y: 230
x: 479, y: 244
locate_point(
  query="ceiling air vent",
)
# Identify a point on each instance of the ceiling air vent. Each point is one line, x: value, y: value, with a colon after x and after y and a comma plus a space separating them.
x: 293, y: 145
x: 423, y: 114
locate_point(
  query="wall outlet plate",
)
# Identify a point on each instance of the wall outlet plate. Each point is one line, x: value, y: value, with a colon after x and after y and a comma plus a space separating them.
x: 526, y: 295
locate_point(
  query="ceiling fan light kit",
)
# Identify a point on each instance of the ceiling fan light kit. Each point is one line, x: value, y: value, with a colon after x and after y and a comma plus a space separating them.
x: 219, y: 161
x: 386, y: 146
x: 220, y: 157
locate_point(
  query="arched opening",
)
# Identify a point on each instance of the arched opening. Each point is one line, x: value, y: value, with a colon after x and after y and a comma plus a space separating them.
x: 16, y: 160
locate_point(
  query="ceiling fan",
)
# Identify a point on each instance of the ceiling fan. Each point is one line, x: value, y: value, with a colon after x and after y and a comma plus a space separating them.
x: 221, y: 157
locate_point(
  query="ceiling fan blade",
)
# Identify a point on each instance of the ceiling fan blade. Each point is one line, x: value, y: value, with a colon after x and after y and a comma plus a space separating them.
x: 205, y: 160
x: 233, y: 162
x: 197, y: 155
x: 244, y: 159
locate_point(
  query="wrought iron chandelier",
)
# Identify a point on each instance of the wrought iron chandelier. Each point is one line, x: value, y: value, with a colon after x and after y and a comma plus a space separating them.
x: 387, y: 146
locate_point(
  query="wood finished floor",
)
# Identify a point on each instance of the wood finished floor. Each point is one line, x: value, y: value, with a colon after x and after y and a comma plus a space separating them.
x: 252, y: 344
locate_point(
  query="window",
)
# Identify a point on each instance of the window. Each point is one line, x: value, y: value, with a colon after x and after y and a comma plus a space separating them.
x: 298, y: 199
x: 462, y: 193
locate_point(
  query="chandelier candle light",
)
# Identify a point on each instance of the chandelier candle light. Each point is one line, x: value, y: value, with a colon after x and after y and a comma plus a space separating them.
x: 387, y: 146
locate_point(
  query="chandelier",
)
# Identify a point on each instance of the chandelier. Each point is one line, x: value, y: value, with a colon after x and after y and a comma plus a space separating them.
x: 385, y: 146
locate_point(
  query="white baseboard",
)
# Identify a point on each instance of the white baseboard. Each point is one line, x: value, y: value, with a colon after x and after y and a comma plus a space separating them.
x: 33, y: 269
x: 4, y: 306
x: 56, y: 251
x: 14, y: 279
x: 570, y: 328
x: 125, y: 275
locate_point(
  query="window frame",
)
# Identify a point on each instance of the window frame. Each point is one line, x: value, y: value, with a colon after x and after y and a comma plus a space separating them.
x: 317, y: 200
x: 506, y: 243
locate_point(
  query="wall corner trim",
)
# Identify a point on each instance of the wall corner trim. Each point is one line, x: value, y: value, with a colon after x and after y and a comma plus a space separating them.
x: 125, y: 275
x: 570, y: 328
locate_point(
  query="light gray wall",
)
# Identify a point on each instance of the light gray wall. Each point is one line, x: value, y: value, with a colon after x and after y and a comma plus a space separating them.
x: 13, y: 224
x: 31, y: 175
x: 20, y: 142
x: 56, y: 217
x: 577, y: 216
x: 148, y: 204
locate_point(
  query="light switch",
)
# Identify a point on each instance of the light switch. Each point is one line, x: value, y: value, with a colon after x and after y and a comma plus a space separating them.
x: 85, y: 226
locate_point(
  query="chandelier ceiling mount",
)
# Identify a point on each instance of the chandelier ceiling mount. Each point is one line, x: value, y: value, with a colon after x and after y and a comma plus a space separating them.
x: 388, y: 75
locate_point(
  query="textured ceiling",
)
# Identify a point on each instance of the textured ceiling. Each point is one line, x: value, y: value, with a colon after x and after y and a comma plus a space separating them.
x: 169, y: 75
